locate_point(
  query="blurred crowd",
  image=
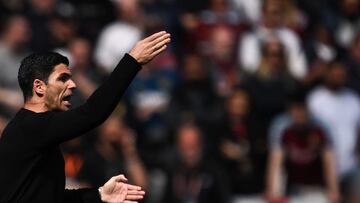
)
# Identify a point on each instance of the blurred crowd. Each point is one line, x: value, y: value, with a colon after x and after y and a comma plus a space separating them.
x: 254, y: 100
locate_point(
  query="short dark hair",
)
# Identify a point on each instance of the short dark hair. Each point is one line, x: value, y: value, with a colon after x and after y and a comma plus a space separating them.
x: 37, y: 66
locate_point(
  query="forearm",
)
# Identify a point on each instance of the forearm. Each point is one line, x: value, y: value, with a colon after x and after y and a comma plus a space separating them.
x: 330, y: 172
x: 137, y: 171
x: 85, y: 195
x: 273, y: 173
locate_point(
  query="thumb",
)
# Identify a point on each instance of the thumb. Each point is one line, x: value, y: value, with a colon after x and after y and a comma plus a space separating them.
x: 121, y: 178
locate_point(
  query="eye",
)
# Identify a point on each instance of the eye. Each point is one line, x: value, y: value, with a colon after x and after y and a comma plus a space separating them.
x: 63, y: 77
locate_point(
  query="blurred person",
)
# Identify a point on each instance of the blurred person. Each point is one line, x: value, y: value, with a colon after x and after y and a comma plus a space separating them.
x: 322, y: 46
x: 353, y: 65
x: 12, y: 5
x: 321, y: 49
x: 193, y: 178
x: 348, y: 22
x: 250, y: 9
x: 272, y: 26
x: 222, y: 61
x: 318, y: 10
x: 62, y: 26
x: 195, y: 98
x: 147, y: 100
x: 114, y: 153
x: 338, y: 108
x: 91, y: 16
x: 302, y: 148
x: 198, y: 27
x: 85, y: 73
x: 269, y: 86
x: 36, y: 173
x: 118, y: 37
x: 243, y: 154
x: 38, y: 14
x: 294, y: 18
x: 14, y: 36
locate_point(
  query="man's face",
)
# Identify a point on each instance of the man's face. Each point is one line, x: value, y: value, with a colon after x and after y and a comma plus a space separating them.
x: 336, y: 76
x: 59, y: 89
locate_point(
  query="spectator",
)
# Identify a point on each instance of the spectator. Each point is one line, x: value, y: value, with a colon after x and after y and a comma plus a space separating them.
x: 244, y: 158
x: 199, y: 27
x: 13, y: 40
x: 192, y: 178
x: 85, y: 73
x: 117, y: 38
x: 339, y: 109
x: 250, y: 9
x: 272, y: 26
x: 195, y: 99
x: 348, y: 22
x: 353, y: 66
x: 114, y: 153
x: 222, y: 61
x: 38, y: 14
x: 147, y: 101
x: 302, y: 147
x: 62, y: 27
x: 321, y: 49
x: 269, y: 86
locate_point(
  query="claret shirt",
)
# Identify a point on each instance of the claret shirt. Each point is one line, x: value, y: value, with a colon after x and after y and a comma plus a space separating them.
x: 31, y: 163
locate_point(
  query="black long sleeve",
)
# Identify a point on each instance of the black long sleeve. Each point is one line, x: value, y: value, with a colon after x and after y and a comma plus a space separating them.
x: 96, y: 109
x: 82, y: 195
x: 31, y: 163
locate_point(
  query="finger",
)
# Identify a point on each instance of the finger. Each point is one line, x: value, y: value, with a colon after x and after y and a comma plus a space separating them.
x: 161, y: 44
x: 157, y: 52
x: 160, y: 39
x: 133, y: 187
x: 136, y: 192
x: 120, y: 178
x: 127, y: 201
x: 134, y: 197
x: 154, y: 36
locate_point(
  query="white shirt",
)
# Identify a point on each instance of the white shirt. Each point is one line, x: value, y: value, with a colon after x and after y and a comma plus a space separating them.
x: 250, y: 50
x: 115, y: 40
x: 340, y: 112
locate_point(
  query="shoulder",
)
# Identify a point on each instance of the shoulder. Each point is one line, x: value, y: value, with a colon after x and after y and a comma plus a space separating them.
x: 319, y: 91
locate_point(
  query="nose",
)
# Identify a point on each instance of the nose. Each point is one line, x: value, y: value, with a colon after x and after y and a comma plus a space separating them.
x: 72, y: 84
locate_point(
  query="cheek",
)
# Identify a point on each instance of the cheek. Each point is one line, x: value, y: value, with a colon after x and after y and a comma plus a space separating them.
x: 52, y: 94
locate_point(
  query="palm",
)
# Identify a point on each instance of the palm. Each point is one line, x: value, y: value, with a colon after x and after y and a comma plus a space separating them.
x: 116, y: 191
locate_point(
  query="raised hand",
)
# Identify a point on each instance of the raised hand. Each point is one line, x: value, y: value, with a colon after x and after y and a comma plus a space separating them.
x: 145, y: 50
x: 116, y: 190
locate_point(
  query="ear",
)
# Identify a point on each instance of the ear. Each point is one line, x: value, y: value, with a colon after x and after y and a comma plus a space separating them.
x: 39, y: 87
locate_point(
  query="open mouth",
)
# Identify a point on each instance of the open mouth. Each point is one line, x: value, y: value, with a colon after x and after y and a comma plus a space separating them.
x: 66, y: 99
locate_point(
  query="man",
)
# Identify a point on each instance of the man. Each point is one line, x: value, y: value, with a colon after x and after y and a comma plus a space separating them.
x: 32, y: 167
x: 301, y: 145
x: 338, y: 108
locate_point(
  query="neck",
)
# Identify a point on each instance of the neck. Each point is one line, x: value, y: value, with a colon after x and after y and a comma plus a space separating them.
x: 36, y: 106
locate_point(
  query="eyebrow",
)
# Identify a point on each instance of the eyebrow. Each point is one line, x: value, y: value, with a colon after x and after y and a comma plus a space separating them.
x: 64, y: 77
